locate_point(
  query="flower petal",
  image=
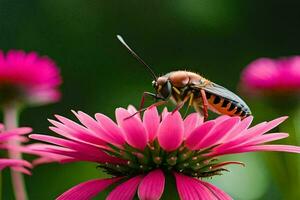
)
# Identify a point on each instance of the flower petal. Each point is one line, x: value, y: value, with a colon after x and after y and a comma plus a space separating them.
x: 195, y: 137
x: 151, y: 121
x: 85, y: 137
x: 221, y: 118
x: 254, y: 148
x: 221, y: 195
x: 111, y: 128
x: 164, y: 113
x: 242, y: 126
x: 135, y: 133
x: 4, y: 162
x: 218, y: 132
x: 248, y: 135
x: 100, y: 157
x: 152, y: 186
x: 266, y: 138
x: 191, y: 122
x: 133, y: 111
x: 271, y: 147
x: 193, y: 189
x: 126, y: 190
x: 5, y: 135
x: 170, y: 132
x: 87, y: 190
x: 113, y: 136
x: 81, y: 147
x: 272, y: 124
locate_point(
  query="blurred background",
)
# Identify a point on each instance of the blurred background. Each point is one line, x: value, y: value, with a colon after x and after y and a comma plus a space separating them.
x: 215, y: 38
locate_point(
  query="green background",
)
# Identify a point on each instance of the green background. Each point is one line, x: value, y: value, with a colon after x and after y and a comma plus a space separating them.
x: 216, y: 38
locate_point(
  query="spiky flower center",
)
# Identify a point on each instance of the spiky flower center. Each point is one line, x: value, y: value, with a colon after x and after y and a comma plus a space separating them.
x: 190, y: 162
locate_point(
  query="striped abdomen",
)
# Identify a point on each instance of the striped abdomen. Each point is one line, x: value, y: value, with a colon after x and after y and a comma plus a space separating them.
x: 227, y: 107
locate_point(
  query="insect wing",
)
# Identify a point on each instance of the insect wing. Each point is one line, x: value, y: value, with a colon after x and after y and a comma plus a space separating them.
x: 220, y: 91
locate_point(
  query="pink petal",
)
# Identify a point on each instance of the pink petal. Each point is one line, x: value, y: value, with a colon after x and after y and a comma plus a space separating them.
x: 132, y: 110
x: 272, y: 124
x: 271, y: 147
x: 43, y: 160
x: 101, y: 157
x: 22, y: 170
x: 111, y: 128
x: 133, y: 128
x: 67, y: 143
x: 87, y: 190
x: 221, y: 195
x: 243, y: 137
x: 242, y: 126
x: 164, y: 113
x: 72, y: 125
x: 170, y: 132
x: 193, y: 189
x: 152, y: 186
x: 266, y: 138
x: 197, y: 135
x: 218, y: 132
x: 221, y: 118
x: 98, y: 129
x: 151, y: 121
x: 13, y: 163
x: 191, y: 122
x: 249, y: 135
x: 126, y: 190
x: 5, y: 135
x: 85, y: 137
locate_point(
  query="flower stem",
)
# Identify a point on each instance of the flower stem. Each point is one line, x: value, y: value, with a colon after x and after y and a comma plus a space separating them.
x: 10, y: 122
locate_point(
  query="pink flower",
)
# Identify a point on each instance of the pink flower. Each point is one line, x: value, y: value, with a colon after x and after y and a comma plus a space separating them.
x: 140, y: 152
x: 5, y: 136
x: 267, y: 75
x: 28, y: 77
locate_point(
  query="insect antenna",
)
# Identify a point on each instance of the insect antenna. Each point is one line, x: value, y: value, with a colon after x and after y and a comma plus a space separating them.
x: 136, y: 56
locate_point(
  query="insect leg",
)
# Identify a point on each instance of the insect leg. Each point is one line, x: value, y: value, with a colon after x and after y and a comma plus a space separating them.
x: 145, y: 94
x: 205, y: 104
x: 190, y: 103
x: 143, y: 109
x: 181, y: 104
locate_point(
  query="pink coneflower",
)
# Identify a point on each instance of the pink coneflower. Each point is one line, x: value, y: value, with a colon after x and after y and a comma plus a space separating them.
x: 139, y: 153
x: 28, y: 77
x: 265, y: 76
x: 5, y: 136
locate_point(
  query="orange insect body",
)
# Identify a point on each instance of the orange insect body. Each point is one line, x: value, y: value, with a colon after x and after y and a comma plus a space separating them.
x: 220, y: 100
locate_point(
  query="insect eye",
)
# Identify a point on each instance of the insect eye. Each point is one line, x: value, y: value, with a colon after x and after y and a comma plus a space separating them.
x: 154, y: 83
x: 166, y: 90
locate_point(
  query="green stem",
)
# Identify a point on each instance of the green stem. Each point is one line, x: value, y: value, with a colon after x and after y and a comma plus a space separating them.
x: 10, y: 122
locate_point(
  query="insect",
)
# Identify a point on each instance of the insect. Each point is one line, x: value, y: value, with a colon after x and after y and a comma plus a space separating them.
x: 188, y: 87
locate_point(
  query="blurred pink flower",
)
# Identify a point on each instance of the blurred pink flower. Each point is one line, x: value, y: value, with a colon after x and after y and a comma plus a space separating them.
x: 28, y: 77
x: 5, y: 136
x: 267, y: 75
x: 138, y: 153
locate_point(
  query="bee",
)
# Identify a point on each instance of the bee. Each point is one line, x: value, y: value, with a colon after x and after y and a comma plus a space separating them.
x: 183, y: 87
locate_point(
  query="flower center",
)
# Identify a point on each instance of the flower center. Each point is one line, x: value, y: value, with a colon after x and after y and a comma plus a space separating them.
x: 183, y: 160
